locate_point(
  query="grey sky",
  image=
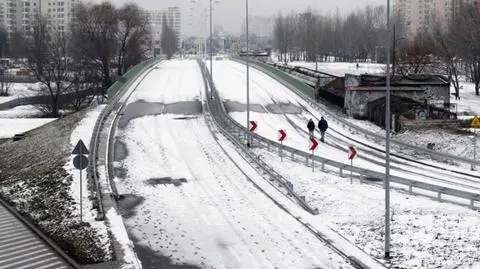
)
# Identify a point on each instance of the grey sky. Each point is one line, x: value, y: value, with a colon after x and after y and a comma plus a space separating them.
x: 231, y: 13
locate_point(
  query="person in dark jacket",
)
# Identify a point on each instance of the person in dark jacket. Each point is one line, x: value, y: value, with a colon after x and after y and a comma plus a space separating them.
x: 311, y: 127
x: 323, y: 126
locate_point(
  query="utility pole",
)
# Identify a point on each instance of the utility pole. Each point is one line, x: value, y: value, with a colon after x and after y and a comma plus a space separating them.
x: 211, y: 51
x: 387, y: 144
x: 394, y: 51
x: 248, y: 77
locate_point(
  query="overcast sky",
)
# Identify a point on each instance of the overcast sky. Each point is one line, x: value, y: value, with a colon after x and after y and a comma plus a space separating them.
x: 231, y: 13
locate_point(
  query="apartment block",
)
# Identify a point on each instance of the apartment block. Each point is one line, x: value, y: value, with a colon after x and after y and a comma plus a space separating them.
x: 18, y: 15
x: 259, y: 26
x: 172, y: 16
x: 422, y: 15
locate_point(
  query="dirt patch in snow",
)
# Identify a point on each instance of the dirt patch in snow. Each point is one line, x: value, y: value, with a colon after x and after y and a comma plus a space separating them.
x: 154, y: 260
x: 277, y: 108
x: 120, y: 152
x: 128, y: 203
x: 454, y: 142
x: 142, y: 108
x: 166, y: 180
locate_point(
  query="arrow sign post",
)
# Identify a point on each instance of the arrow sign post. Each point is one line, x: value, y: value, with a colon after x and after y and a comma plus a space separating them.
x: 252, y: 126
x: 80, y: 162
x: 352, y: 152
x: 282, y: 136
x: 475, y: 125
x: 313, y: 146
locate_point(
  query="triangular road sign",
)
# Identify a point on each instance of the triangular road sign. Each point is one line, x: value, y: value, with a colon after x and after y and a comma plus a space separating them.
x: 80, y: 148
x: 476, y: 122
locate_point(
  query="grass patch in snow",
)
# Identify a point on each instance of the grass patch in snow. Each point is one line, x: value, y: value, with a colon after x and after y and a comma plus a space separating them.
x: 33, y: 180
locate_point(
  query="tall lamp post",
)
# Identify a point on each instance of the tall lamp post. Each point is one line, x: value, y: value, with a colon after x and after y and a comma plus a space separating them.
x: 211, y: 51
x: 387, y: 143
x: 248, y: 75
x: 211, y: 41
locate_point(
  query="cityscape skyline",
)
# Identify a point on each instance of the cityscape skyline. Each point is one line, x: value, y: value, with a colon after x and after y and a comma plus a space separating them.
x: 230, y: 14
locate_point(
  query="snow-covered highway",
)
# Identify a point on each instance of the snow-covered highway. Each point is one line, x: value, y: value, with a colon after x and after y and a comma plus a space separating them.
x: 275, y: 107
x: 184, y: 200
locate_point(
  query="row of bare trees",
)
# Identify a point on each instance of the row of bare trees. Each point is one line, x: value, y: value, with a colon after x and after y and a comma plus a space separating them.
x: 453, y: 50
x: 311, y: 35
x: 103, y: 43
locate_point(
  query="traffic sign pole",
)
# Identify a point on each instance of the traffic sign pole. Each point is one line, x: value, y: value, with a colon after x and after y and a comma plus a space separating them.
x: 81, y: 197
x: 475, y: 124
x: 281, y: 151
x: 351, y: 171
x: 313, y: 162
x: 282, y: 137
x: 474, y: 147
x: 80, y: 162
x: 352, y: 152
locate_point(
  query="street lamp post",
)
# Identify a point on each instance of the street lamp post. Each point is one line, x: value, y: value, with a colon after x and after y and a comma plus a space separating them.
x: 248, y: 76
x: 387, y: 143
x: 211, y: 51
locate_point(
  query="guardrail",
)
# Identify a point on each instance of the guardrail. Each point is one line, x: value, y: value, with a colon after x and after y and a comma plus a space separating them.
x: 224, y: 123
x: 115, y: 93
x: 307, y: 93
x: 363, y: 173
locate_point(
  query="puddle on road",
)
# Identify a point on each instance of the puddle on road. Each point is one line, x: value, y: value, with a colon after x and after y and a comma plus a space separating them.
x: 153, y: 259
x: 142, y: 108
x: 166, y: 180
x: 127, y: 203
x: 120, y: 151
x: 278, y: 108
x: 185, y: 118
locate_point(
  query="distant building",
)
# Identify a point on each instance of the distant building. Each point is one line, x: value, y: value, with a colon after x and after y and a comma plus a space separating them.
x: 18, y: 15
x: 172, y: 16
x: 422, y: 15
x: 259, y: 26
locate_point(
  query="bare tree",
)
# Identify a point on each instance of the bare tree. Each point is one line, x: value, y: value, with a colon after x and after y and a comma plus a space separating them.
x: 95, y: 31
x: 168, y: 39
x: 280, y: 39
x: 448, y: 53
x: 133, y: 36
x: 47, y: 54
x: 465, y: 32
x: 416, y: 56
x: 353, y: 37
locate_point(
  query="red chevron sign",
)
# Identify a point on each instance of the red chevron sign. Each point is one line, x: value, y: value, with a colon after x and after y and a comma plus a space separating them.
x: 253, y: 125
x: 283, y: 135
x: 313, y: 143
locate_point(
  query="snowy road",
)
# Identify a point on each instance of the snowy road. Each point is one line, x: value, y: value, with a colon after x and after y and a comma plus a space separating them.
x: 184, y: 201
x: 275, y: 107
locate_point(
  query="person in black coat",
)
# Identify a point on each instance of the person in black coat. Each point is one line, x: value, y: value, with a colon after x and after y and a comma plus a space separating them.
x: 311, y: 127
x: 323, y: 126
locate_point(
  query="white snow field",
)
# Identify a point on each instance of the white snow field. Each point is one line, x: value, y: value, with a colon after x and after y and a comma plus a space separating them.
x: 469, y: 103
x: 18, y: 90
x: 10, y: 127
x: 195, y: 205
x: 27, y: 111
x: 340, y: 69
x: 424, y: 233
x: 269, y: 97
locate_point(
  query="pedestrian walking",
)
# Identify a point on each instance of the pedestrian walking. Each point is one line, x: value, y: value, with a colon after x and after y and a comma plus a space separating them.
x: 311, y: 127
x: 323, y: 126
